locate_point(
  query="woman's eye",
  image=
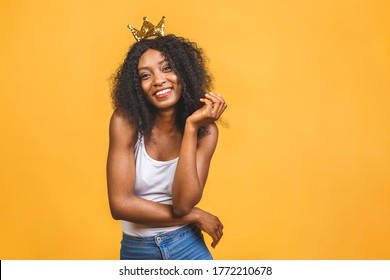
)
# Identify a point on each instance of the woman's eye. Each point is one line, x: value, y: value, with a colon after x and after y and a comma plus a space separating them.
x: 167, y: 68
x: 143, y: 76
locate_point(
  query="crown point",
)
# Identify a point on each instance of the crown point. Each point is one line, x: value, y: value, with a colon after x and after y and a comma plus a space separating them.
x: 148, y: 29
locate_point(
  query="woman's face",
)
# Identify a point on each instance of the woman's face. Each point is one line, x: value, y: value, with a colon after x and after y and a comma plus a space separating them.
x: 159, y: 82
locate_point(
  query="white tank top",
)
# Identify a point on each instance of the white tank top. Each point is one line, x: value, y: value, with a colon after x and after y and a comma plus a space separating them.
x: 153, y: 181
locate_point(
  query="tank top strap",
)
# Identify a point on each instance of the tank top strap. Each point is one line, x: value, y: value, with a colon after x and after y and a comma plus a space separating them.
x: 139, y: 143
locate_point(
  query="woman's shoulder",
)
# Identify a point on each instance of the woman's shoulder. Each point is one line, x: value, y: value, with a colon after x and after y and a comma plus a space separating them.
x: 211, y: 135
x: 122, y: 130
x: 212, y: 128
x: 211, y: 131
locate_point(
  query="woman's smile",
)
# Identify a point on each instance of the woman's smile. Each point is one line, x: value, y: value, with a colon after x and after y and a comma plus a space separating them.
x: 163, y: 93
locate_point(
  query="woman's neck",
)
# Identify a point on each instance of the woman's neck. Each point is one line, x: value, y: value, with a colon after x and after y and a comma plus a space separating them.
x: 165, y: 121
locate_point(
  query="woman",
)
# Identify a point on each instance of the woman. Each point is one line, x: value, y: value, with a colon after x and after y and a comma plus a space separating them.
x: 162, y: 138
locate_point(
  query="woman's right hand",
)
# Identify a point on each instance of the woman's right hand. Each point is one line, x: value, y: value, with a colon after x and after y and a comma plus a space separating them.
x: 208, y: 223
x: 214, y: 106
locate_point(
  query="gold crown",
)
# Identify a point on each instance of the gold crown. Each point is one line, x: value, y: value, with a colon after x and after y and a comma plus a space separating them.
x: 148, y: 29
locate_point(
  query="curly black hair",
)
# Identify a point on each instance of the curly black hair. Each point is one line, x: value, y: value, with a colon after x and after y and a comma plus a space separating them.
x: 189, y: 63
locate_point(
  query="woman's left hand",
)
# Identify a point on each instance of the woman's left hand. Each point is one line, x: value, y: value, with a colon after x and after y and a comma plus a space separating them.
x: 210, y: 112
x: 209, y: 223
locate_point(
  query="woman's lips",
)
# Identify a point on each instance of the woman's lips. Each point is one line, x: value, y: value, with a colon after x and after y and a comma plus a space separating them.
x: 163, y: 93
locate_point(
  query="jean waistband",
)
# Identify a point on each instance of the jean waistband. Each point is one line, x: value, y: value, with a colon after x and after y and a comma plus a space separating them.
x: 165, y: 236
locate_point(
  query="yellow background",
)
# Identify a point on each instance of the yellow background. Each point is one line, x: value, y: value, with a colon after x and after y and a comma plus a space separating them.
x: 302, y: 172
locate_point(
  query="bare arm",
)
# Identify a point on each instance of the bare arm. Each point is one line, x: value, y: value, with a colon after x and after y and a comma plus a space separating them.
x: 124, y: 205
x: 195, y: 155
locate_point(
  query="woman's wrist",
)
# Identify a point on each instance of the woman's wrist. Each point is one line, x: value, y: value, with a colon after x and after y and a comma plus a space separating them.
x: 191, y: 127
x: 194, y: 216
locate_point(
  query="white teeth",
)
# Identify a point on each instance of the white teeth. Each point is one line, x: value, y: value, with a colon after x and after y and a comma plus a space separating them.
x: 163, y: 92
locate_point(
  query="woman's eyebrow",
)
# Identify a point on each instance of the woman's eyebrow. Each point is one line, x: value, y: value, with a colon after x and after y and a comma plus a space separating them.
x: 147, y: 67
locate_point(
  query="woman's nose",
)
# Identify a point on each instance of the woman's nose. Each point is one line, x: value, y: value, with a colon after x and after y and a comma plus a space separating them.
x: 159, y: 79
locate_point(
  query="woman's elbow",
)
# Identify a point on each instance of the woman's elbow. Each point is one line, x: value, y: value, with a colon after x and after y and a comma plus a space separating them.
x: 181, y: 210
x: 121, y: 207
x: 183, y: 206
x: 117, y: 210
x: 115, y: 214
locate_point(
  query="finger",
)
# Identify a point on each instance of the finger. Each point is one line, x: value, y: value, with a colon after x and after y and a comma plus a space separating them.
x: 217, y: 237
x: 222, y: 108
x: 206, y: 101
x: 217, y: 94
x: 219, y: 104
x: 209, y: 108
x: 220, y: 98
x: 218, y: 110
x: 214, y: 243
x: 220, y: 231
x: 215, y: 98
x: 220, y: 234
x: 208, y: 105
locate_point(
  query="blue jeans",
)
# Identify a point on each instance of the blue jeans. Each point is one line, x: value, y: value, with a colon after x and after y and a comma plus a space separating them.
x: 185, y: 243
